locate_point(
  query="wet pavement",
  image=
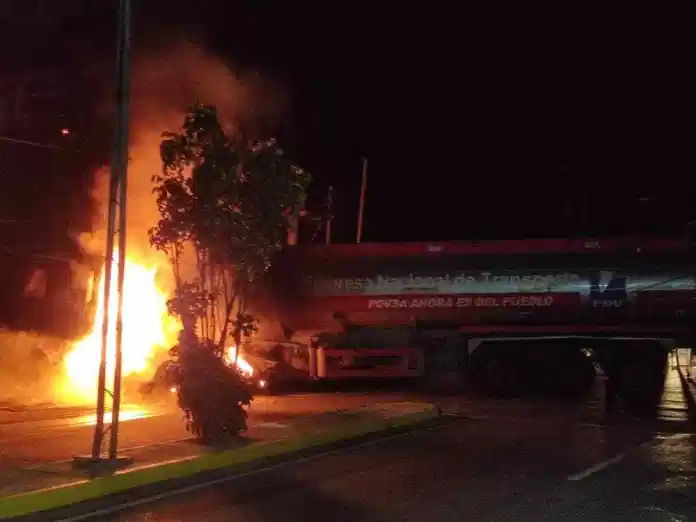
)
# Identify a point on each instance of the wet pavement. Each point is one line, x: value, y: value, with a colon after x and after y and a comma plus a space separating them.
x: 301, y: 432
x: 496, y: 460
x: 465, y: 470
x: 493, y: 461
x: 29, y: 438
x: 26, y: 443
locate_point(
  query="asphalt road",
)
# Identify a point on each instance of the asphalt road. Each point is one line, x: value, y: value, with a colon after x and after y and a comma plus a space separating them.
x: 34, y: 437
x: 467, y: 470
x: 61, y: 434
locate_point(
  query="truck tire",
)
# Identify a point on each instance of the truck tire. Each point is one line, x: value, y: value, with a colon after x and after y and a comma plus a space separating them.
x: 501, y: 376
x: 642, y: 379
x: 572, y: 377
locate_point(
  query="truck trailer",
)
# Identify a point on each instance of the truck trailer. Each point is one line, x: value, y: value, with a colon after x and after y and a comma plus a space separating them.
x: 505, y: 317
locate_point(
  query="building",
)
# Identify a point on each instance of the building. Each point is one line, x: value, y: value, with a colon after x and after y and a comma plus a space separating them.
x: 46, y: 158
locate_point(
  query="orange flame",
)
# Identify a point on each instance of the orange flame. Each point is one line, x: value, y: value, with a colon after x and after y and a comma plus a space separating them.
x: 165, y: 80
x: 242, y: 364
x: 147, y: 329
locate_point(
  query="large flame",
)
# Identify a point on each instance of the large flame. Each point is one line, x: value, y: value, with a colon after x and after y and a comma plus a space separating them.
x: 147, y: 330
x: 165, y: 80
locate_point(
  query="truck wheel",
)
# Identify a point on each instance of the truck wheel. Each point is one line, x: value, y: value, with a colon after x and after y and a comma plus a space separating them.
x: 575, y: 376
x: 642, y: 379
x: 501, y: 376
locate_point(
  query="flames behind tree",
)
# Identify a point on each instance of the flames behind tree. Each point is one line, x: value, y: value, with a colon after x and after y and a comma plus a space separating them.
x: 165, y: 84
x: 147, y: 329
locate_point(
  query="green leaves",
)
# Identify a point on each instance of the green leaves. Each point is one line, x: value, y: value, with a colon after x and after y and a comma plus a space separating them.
x: 230, y: 199
x: 190, y: 299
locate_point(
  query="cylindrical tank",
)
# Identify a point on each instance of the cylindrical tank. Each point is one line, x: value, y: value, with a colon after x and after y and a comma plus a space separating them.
x: 499, y: 283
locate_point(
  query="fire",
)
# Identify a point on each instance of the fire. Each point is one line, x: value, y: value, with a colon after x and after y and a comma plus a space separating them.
x: 147, y: 329
x: 242, y: 364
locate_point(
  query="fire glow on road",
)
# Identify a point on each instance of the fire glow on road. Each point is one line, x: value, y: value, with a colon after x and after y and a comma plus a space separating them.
x: 124, y: 415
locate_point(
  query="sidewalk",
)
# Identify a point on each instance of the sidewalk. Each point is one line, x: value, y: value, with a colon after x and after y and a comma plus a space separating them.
x: 32, y: 442
x: 672, y: 415
x: 53, y: 474
x: 59, y: 484
x: 688, y: 384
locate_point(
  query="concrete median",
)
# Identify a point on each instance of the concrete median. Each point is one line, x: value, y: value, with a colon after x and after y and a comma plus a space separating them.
x: 312, y: 434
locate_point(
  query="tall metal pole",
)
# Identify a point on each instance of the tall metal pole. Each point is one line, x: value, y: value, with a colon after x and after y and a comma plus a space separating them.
x: 108, y: 265
x: 117, y: 188
x: 121, y: 164
x: 361, y: 210
x: 329, y: 216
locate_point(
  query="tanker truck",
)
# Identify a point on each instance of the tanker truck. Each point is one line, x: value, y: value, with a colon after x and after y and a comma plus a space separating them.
x: 505, y: 317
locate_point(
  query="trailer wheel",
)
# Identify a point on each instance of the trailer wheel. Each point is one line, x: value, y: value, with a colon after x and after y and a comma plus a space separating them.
x: 569, y: 374
x: 642, y: 379
x: 501, y: 376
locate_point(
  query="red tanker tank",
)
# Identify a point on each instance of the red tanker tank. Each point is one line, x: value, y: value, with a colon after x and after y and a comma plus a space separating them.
x: 559, y: 285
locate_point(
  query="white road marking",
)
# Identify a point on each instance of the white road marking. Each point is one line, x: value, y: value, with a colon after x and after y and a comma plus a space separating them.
x: 597, y: 467
x: 657, y: 439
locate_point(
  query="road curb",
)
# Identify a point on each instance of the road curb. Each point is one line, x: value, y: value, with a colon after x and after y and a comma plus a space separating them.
x: 88, y: 495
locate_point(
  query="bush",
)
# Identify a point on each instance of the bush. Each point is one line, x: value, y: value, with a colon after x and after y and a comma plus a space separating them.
x: 211, y: 394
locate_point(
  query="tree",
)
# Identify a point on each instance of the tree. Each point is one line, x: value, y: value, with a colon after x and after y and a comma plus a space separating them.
x: 230, y: 200
x: 224, y: 201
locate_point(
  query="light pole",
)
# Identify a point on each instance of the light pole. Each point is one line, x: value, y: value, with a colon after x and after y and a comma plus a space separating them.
x: 123, y: 100
x: 361, y: 203
x: 329, y: 215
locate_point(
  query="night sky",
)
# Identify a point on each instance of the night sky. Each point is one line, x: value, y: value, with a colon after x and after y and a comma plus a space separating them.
x: 480, y: 128
x: 474, y: 127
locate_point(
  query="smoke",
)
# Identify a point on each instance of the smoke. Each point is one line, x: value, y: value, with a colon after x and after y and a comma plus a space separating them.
x: 27, y: 362
x: 166, y: 81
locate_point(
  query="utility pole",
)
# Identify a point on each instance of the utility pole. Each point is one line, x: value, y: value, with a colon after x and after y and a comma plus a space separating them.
x: 361, y: 209
x: 329, y: 215
x: 121, y: 159
x: 116, y: 225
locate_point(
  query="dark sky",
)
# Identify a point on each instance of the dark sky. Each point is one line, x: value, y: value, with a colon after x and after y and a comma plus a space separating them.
x: 474, y: 127
x: 482, y: 128
x: 495, y: 133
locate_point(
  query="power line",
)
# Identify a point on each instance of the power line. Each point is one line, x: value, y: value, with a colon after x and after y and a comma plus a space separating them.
x: 36, y: 144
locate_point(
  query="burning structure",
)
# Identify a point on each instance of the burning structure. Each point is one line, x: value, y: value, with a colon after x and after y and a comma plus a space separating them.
x: 165, y: 83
